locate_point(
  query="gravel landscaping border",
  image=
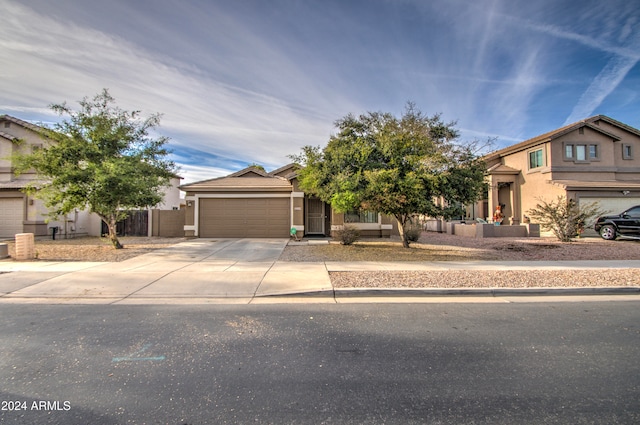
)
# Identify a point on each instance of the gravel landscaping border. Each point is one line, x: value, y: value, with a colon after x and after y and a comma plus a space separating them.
x: 487, y: 279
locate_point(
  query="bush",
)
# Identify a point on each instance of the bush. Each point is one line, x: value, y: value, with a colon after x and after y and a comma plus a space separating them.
x: 564, y: 217
x: 348, y: 234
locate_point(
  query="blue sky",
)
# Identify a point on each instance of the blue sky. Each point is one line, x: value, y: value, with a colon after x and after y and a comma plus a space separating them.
x: 252, y: 81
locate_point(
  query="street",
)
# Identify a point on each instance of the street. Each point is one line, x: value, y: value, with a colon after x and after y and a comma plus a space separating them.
x: 529, y: 363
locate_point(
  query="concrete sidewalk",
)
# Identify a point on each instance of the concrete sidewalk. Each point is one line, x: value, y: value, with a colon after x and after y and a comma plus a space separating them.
x: 190, y: 275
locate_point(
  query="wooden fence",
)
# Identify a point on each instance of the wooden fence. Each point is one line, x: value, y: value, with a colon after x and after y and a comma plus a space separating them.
x: 136, y: 224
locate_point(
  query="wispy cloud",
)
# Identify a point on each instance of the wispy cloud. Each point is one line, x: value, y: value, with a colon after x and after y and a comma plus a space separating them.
x: 602, y: 86
x: 63, y: 61
x: 625, y: 52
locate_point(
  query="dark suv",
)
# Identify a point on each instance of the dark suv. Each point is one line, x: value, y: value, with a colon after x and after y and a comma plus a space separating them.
x: 625, y: 224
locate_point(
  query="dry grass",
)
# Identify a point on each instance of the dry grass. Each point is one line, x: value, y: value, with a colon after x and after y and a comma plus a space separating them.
x: 95, y: 248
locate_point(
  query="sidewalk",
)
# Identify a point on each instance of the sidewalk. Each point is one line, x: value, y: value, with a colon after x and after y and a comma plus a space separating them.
x: 181, y: 278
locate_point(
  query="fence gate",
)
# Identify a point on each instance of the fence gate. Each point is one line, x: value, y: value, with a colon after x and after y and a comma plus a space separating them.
x: 136, y: 224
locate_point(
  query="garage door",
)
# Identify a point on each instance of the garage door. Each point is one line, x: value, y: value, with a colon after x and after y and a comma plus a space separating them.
x: 612, y: 205
x: 11, y: 213
x: 244, y: 218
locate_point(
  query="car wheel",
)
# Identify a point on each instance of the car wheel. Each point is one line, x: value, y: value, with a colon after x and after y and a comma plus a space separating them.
x: 608, y: 232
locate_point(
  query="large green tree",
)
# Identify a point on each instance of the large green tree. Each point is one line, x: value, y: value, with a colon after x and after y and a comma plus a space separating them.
x: 396, y: 166
x: 102, y: 158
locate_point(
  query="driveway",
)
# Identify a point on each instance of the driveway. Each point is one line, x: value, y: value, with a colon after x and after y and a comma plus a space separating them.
x: 208, y: 270
x: 224, y: 250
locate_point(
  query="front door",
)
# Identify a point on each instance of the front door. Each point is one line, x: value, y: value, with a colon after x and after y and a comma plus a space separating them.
x: 315, y: 216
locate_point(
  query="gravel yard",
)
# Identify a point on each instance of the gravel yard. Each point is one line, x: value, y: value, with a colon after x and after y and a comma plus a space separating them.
x: 443, y: 247
x: 487, y: 279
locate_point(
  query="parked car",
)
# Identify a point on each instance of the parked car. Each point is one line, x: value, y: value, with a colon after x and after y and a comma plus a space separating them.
x: 626, y: 224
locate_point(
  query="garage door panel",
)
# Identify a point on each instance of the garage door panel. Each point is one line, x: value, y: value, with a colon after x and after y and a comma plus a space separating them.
x: 613, y: 205
x: 11, y: 216
x: 244, y: 217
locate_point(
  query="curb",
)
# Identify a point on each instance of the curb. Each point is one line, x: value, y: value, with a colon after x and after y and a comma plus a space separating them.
x: 461, y: 292
x: 486, y: 292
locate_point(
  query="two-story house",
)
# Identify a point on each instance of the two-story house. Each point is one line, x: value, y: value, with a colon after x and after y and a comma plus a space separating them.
x: 20, y: 213
x: 597, y: 159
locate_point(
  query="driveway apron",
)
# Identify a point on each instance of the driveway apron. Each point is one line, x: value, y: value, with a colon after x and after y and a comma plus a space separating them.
x: 210, y: 268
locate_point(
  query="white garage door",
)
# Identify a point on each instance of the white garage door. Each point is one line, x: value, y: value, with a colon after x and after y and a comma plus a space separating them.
x: 244, y: 218
x: 11, y: 214
x: 612, y: 205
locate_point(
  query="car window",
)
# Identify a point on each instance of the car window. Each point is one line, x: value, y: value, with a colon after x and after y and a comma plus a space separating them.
x: 634, y: 212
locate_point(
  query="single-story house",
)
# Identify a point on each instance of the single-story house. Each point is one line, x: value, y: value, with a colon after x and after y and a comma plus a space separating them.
x: 20, y: 213
x: 593, y: 160
x: 259, y: 204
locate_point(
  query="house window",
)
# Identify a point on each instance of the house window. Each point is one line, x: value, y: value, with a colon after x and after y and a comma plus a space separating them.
x: 568, y: 151
x: 581, y: 152
x: 627, y: 152
x: 535, y: 159
x: 361, y: 217
x: 7, y: 124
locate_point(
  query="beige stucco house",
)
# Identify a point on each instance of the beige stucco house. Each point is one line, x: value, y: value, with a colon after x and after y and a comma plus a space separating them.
x: 256, y: 203
x: 20, y: 213
x: 597, y: 159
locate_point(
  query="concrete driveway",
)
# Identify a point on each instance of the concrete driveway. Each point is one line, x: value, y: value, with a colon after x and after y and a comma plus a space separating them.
x: 207, y: 270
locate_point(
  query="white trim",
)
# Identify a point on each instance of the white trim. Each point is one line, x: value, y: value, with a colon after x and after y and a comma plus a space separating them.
x: 298, y: 227
x: 297, y: 194
x: 386, y: 226
x: 243, y: 195
x: 188, y: 227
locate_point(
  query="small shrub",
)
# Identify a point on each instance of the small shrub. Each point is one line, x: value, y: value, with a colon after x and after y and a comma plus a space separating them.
x: 348, y: 234
x: 565, y: 218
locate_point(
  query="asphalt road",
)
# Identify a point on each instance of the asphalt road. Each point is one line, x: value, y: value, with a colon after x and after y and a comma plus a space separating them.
x: 542, y: 363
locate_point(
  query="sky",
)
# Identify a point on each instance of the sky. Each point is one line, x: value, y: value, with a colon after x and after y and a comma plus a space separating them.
x: 242, y: 82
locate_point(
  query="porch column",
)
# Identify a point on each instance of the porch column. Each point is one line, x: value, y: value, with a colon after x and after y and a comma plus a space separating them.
x: 514, y: 195
x: 297, y: 211
x: 493, y: 195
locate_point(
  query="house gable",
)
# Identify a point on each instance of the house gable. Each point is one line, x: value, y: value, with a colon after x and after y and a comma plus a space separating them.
x: 250, y: 179
x: 288, y: 171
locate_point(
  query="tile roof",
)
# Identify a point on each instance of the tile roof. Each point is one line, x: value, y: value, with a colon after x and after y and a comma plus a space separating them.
x: 8, y: 136
x: 246, y: 180
x: 229, y: 184
x: 21, y: 123
x: 19, y: 184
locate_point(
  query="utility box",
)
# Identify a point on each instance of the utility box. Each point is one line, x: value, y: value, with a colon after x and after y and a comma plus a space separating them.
x: 4, y: 250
